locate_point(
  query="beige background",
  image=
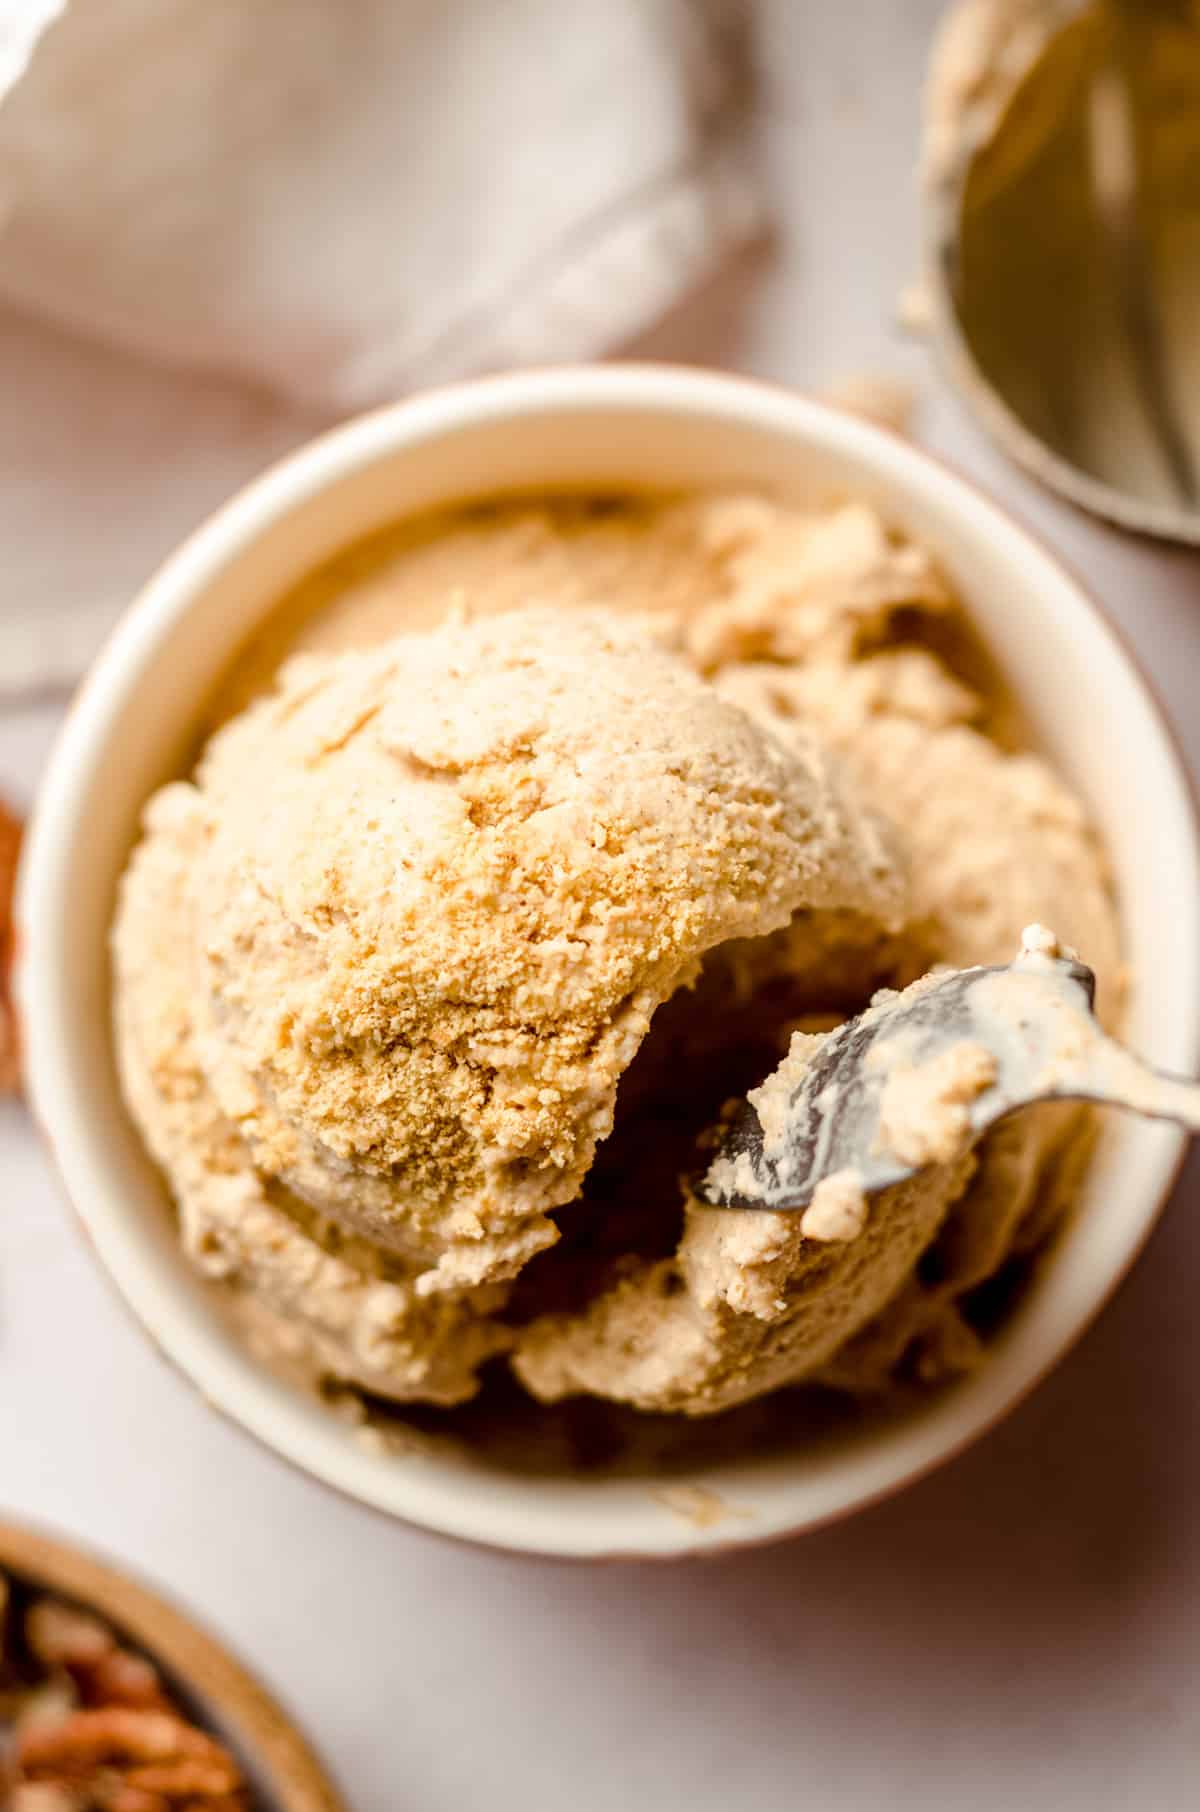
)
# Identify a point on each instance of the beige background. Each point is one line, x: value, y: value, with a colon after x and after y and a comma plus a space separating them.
x: 1021, y: 1629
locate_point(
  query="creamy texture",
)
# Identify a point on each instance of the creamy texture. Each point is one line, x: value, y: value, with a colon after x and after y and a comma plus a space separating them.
x: 390, y: 963
x: 923, y: 1114
x: 838, y: 1209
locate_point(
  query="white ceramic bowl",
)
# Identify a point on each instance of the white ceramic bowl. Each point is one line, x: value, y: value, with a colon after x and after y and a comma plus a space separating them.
x: 133, y: 726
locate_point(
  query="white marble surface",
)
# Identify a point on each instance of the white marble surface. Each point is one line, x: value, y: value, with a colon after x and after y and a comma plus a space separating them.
x: 1021, y: 1629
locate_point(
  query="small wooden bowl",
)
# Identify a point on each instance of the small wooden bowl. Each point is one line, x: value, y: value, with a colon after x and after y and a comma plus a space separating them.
x: 281, y: 1769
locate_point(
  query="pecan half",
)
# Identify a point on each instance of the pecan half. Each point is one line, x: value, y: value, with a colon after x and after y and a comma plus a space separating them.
x: 119, y: 1760
x: 43, y: 1796
x: 66, y: 1640
x: 88, y: 1725
x: 60, y: 1636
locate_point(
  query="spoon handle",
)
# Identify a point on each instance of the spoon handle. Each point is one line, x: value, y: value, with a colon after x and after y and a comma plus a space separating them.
x: 1114, y: 1075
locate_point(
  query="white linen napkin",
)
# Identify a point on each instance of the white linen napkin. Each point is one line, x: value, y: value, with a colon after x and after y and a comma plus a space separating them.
x: 225, y: 222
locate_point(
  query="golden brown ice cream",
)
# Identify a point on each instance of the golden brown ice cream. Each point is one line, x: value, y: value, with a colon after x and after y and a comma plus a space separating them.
x: 490, y: 853
x: 428, y: 899
x: 431, y: 976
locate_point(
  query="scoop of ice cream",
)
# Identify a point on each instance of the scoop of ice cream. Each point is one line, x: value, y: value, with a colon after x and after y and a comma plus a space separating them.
x: 444, y: 886
x: 382, y: 963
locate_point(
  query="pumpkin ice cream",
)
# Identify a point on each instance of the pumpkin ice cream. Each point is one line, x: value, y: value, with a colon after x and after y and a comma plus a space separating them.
x: 432, y: 976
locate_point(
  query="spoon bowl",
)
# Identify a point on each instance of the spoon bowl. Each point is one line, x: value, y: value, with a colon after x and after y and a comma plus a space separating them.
x: 920, y: 1077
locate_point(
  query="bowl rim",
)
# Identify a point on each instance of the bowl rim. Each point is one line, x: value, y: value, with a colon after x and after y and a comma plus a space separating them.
x: 169, y: 595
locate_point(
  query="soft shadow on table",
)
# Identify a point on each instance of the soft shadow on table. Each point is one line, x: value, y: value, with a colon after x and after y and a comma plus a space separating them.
x: 1038, y: 1553
x: 709, y: 326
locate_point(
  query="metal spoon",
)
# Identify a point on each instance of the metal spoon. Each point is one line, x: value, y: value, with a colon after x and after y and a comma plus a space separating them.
x: 1033, y: 1022
x: 1065, y: 263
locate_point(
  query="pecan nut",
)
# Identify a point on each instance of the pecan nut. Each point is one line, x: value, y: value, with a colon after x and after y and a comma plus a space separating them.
x: 72, y: 1642
x: 117, y: 1759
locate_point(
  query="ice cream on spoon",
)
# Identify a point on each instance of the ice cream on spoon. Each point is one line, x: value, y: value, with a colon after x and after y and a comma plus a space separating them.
x: 920, y: 1077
